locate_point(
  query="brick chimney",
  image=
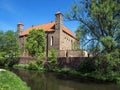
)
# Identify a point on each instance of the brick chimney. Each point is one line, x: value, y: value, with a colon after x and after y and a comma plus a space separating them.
x: 19, y: 28
x: 58, y: 21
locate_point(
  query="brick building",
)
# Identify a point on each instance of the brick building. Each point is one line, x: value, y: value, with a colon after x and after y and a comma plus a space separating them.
x: 58, y: 36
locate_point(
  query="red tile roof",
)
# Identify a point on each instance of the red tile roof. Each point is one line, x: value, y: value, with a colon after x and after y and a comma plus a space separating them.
x: 48, y: 27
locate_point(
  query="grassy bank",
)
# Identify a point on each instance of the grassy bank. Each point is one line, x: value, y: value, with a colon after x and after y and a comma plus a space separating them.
x: 30, y: 66
x: 73, y: 74
x: 93, y: 76
x: 10, y: 81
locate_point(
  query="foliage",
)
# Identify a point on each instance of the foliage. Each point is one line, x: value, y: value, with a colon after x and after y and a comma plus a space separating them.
x: 35, y: 43
x: 52, y: 56
x: 108, y: 62
x: 100, y: 31
x: 41, y: 68
x: 77, y: 43
x: 22, y: 66
x: 66, y: 71
x: 52, y: 60
x: 12, y: 82
x: 9, y: 48
x: 32, y: 65
x: 78, y: 34
x: 98, y: 19
x: 86, y: 66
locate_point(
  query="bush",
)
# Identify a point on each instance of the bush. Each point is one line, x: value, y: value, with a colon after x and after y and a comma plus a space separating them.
x: 12, y: 82
x: 9, y: 48
x: 24, y: 66
x: 41, y: 68
x: 108, y: 62
x: 87, y: 66
x: 7, y: 61
x: 32, y: 65
x: 2, y: 59
x: 52, y: 61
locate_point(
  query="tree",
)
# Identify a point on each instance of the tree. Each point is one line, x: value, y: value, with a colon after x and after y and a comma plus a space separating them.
x: 100, y: 30
x: 35, y: 43
x: 9, y: 48
x: 99, y: 22
x: 52, y: 61
x: 77, y: 43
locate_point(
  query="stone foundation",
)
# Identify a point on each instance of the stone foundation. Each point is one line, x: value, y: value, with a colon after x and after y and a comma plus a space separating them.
x: 70, y: 53
x: 72, y: 62
x: 25, y: 60
x: 64, y: 62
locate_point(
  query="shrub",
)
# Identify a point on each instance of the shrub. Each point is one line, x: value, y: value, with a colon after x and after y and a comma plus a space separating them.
x: 53, y: 57
x: 41, y: 68
x: 25, y: 66
x: 108, y: 62
x: 32, y: 65
x: 52, y: 61
x: 87, y: 66
x: 2, y: 59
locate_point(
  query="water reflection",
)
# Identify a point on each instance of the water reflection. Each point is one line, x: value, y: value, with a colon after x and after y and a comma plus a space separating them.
x: 49, y: 81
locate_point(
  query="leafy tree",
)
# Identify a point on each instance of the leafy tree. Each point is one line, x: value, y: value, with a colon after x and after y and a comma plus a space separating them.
x: 1, y: 39
x: 99, y: 22
x: 108, y: 62
x: 52, y: 62
x: 77, y: 43
x: 9, y: 48
x: 100, y: 30
x: 35, y: 43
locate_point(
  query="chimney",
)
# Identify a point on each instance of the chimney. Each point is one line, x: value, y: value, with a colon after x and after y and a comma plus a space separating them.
x: 19, y: 28
x: 58, y: 21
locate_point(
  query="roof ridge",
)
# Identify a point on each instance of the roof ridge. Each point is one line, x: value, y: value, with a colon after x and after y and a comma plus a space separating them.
x: 48, y: 27
x: 38, y: 25
x: 68, y: 28
x: 45, y: 23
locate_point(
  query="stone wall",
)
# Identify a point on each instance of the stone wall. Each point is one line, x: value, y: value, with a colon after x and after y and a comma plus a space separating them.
x: 55, y: 40
x: 72, y: 62
x: 25, y: 60
x: 64, y: 62
x: 69, y: 53
x: 67, y: 41
x: 22, y: 40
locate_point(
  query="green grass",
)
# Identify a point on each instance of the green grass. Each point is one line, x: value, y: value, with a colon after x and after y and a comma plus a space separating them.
x: 22, y: 66
x: 94, y: 76
x: 10, y: 81
x: 30, y: 66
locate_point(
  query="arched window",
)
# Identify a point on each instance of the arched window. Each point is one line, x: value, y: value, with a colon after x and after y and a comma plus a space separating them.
x: 51, y: 41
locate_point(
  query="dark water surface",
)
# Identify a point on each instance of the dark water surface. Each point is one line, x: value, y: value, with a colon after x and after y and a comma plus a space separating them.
x: 49, y: 81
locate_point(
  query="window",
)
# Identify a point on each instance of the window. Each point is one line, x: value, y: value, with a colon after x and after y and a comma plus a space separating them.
x: 72, y: 44
x: 51, y: 41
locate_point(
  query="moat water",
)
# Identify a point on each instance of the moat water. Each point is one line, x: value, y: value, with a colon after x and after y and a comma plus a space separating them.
x: 50, y: 81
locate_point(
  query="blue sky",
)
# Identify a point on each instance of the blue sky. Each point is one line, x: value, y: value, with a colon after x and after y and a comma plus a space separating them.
x: 32, y: 12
